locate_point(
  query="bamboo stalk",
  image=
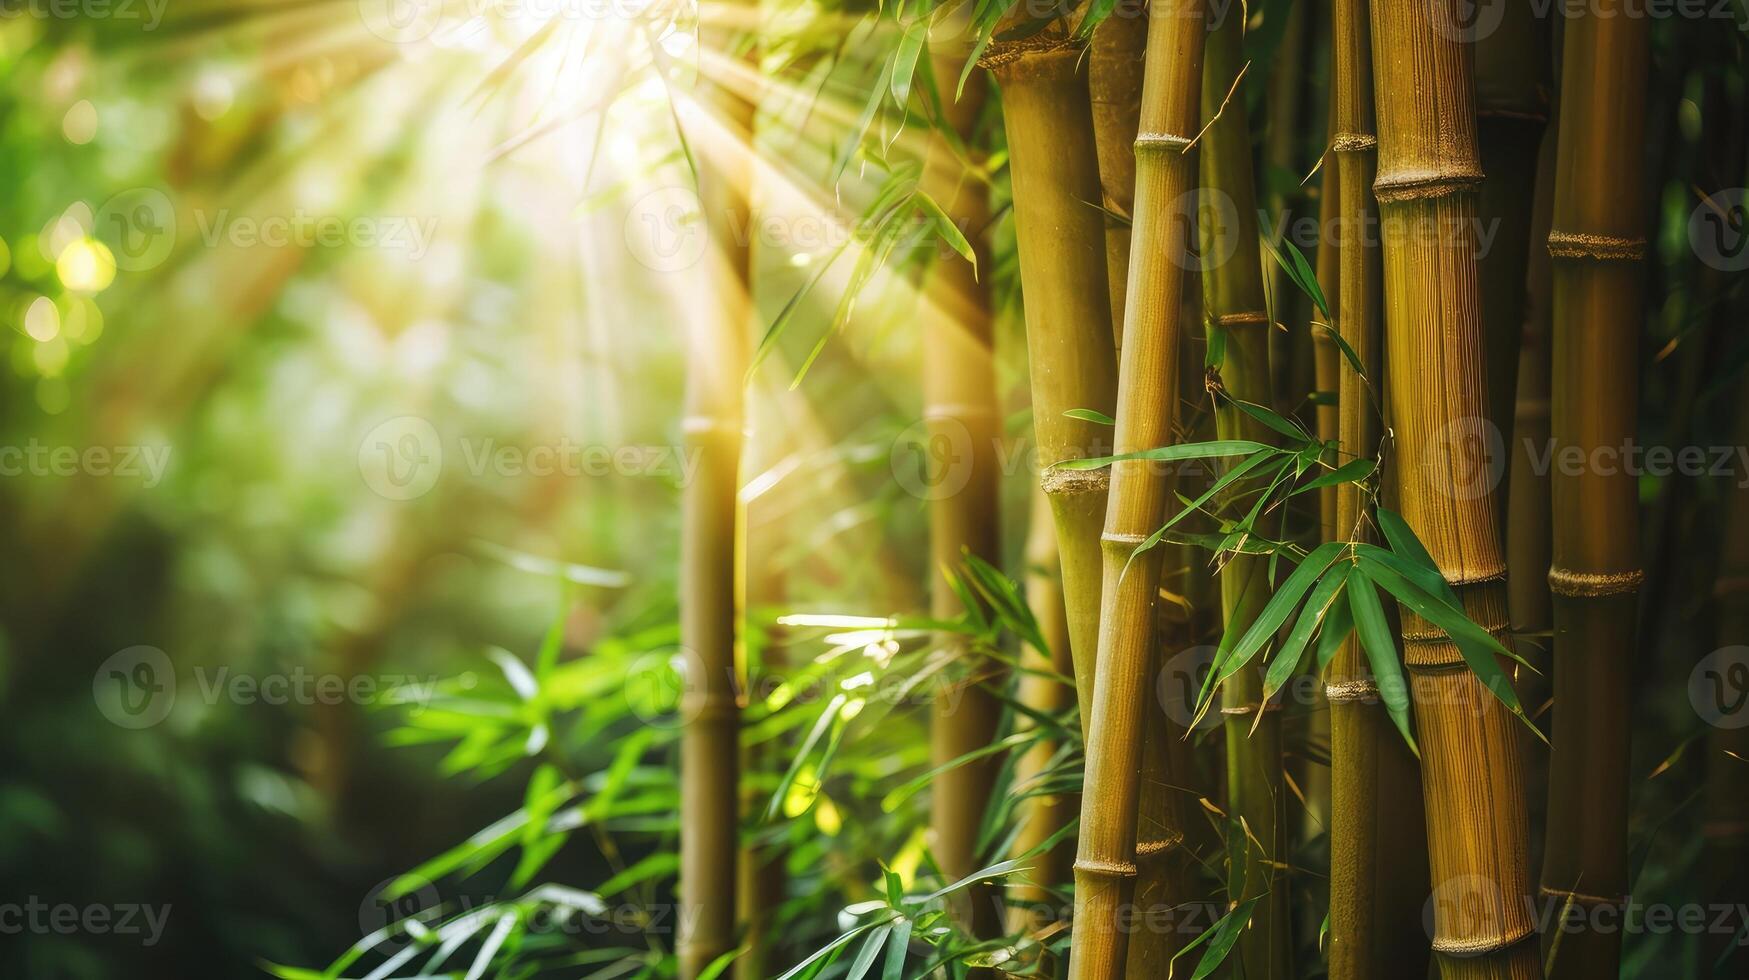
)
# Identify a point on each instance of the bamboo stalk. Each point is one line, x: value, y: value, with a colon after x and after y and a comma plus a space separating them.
x: 1471, y: 767
x: 1117, y: 61
x: 1061, y: 240
x: 1528, y: 535
x: 1377, y: 873
x: 1115, y: 67
x: 1324, y: 352
x: 1032, y: 905
x: 1597, y: 244
x: 959, y: 393
x: 1105, y: 862
x: 1512, y: 108
x: 710, y: 743
x: 1292, y: 371
x: 1234, y: 298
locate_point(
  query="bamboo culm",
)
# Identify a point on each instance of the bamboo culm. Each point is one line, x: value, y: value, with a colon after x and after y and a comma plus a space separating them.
x: 1105, y: 862
x: 1377, y: 848
x: 1597, y: 245
x: 710, y: 742
x: 1471, y: 765
x: 1233, y: 294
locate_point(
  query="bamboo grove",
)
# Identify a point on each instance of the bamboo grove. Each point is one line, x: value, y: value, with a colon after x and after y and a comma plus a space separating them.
x: 1258, y: 592
x: 1134, y: 183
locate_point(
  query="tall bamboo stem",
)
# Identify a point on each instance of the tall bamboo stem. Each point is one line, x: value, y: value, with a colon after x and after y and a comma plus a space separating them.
x: 1726, y: 826
x: 1061, y: 240
x: 1597, y: 244
x: 710, y: 744
x: 1105, y: 862
x: 1512, y: 108
x: 1325, y: 355
x: 1377, y: 872
x: 1471, y: 768
x: 1115, y: 67
x: 1234, y: 298
x: 959, y: 394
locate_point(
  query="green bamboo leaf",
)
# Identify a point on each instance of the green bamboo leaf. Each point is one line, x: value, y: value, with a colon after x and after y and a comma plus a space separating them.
x: 1188, y: 450
x: 824, y: 722
x: 1337, y: 625
x: 1403, y: 541
x: 721, y: 963
x: 1220, y: 938
x: 865, y: 958
x: 1280, y: 607
x: 905, y: 60
x: 1434, y: 587
x: 658, y: 865
x: 1272, y: 419
x: 1089, y: 415
x: 1472, y: 641
x: 844, y: 939
x: 1250, y: 463
x: 949, y: 231
x: 1347, y: 351
x: 1318, y: 605
x: 1353, y: 471
x: 894, y: 967
x: 1300, y: 271
x: 1381, y: 652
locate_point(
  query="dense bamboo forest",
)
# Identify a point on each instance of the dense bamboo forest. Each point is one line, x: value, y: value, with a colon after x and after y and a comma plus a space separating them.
x: 836, y: 489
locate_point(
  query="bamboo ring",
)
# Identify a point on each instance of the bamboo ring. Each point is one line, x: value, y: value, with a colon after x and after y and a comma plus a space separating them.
x: 1602, y: 248
x: 1591, y: 585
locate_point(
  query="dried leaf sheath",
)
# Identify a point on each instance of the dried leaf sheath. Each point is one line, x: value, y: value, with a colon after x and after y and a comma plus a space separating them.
x: 1234, y: 298
x: 959, y: 393
x: 1471, y: 769
x: 1105, y: 859
x: 1597, y: 247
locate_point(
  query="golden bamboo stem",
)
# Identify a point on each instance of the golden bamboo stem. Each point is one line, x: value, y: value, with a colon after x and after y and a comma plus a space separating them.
x: 710, y: 743
x: 1377, y: 869
x: 1105, y: 862
x: 1512, y: 108
x: 1061, y: 240
x: 1597, y: 245
x: 1115, y: 67
x: 1471, y: 769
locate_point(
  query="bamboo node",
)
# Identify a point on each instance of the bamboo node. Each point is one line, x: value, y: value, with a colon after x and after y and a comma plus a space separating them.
x: 1011, y: 54
x: 1581, y: 898
x: 1246, y: 318
x: 1249, y: 709
x: 1351, y: 142
x: 1465, y: 948
x: 1119, y: 537
x: 1161, y: 141
x: 1361, y: 689
x: 1591, y: 585
x: 1599, y: 248
x: 1154, y: 848
x: 1106, y: 869
x: 1415, y: 185
x: 1057, y: 482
